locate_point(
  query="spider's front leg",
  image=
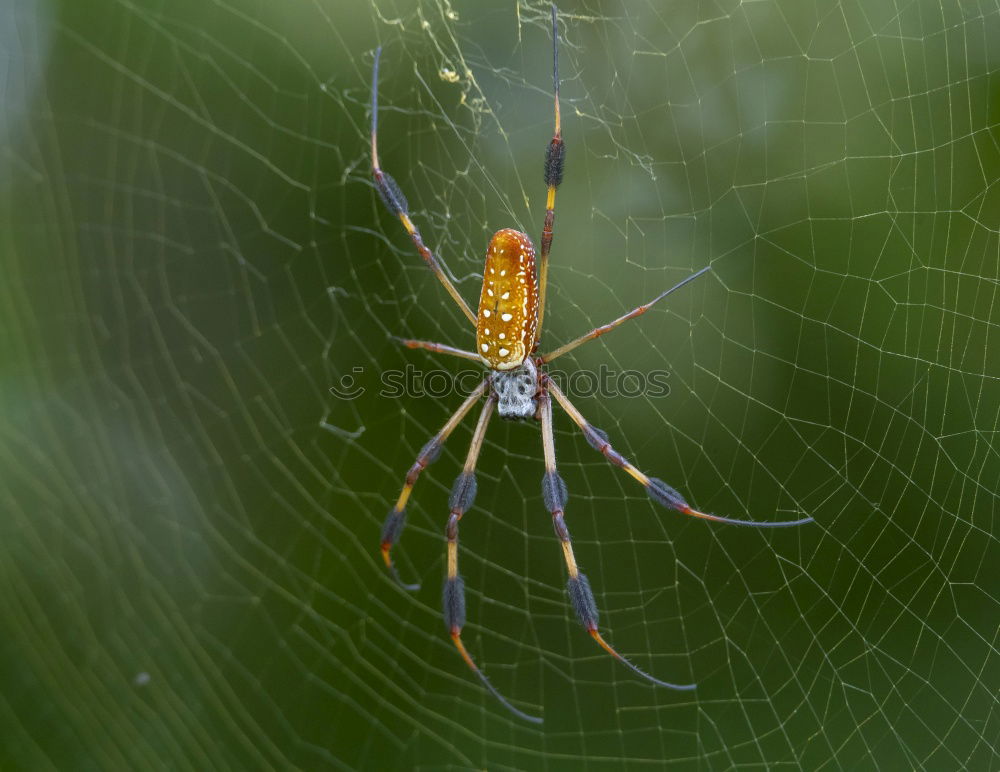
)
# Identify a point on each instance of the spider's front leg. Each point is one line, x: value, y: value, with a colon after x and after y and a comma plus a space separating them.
x: 396, y: 518
x: 555, y: 495
x: 463, y: 494
x: 656, y: 489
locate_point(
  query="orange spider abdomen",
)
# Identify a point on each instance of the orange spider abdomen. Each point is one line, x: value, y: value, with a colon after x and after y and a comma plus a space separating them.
x: 508, y: 304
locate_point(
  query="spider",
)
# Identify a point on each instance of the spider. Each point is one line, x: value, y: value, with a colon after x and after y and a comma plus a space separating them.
x: 508, y: 324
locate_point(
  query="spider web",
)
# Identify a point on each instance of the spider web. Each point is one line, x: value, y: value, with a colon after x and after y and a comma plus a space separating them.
x: 194, y: 256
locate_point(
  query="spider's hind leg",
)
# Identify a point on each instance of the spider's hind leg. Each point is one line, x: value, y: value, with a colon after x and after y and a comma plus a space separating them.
x: 395, y: 201
x: 437, y: 348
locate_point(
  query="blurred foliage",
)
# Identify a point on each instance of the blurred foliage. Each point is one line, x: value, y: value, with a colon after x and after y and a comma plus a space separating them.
x: 193, y: 256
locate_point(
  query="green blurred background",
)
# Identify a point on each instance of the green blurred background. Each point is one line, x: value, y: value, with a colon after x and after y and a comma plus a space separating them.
x: 193, y: 256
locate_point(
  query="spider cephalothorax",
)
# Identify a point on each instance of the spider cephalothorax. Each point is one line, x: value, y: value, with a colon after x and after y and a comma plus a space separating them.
x: 517, y: 391
x: 508, y: 324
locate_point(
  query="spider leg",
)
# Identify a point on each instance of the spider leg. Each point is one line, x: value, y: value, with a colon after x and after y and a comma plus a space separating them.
x: 395, y: 201
x: 658, y: 490
x: 396, y: 518
x: 555, y: 157
x: 555, y: 495
x: 637, y: 311
x: 463, y: 493
x: 438, y: 348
